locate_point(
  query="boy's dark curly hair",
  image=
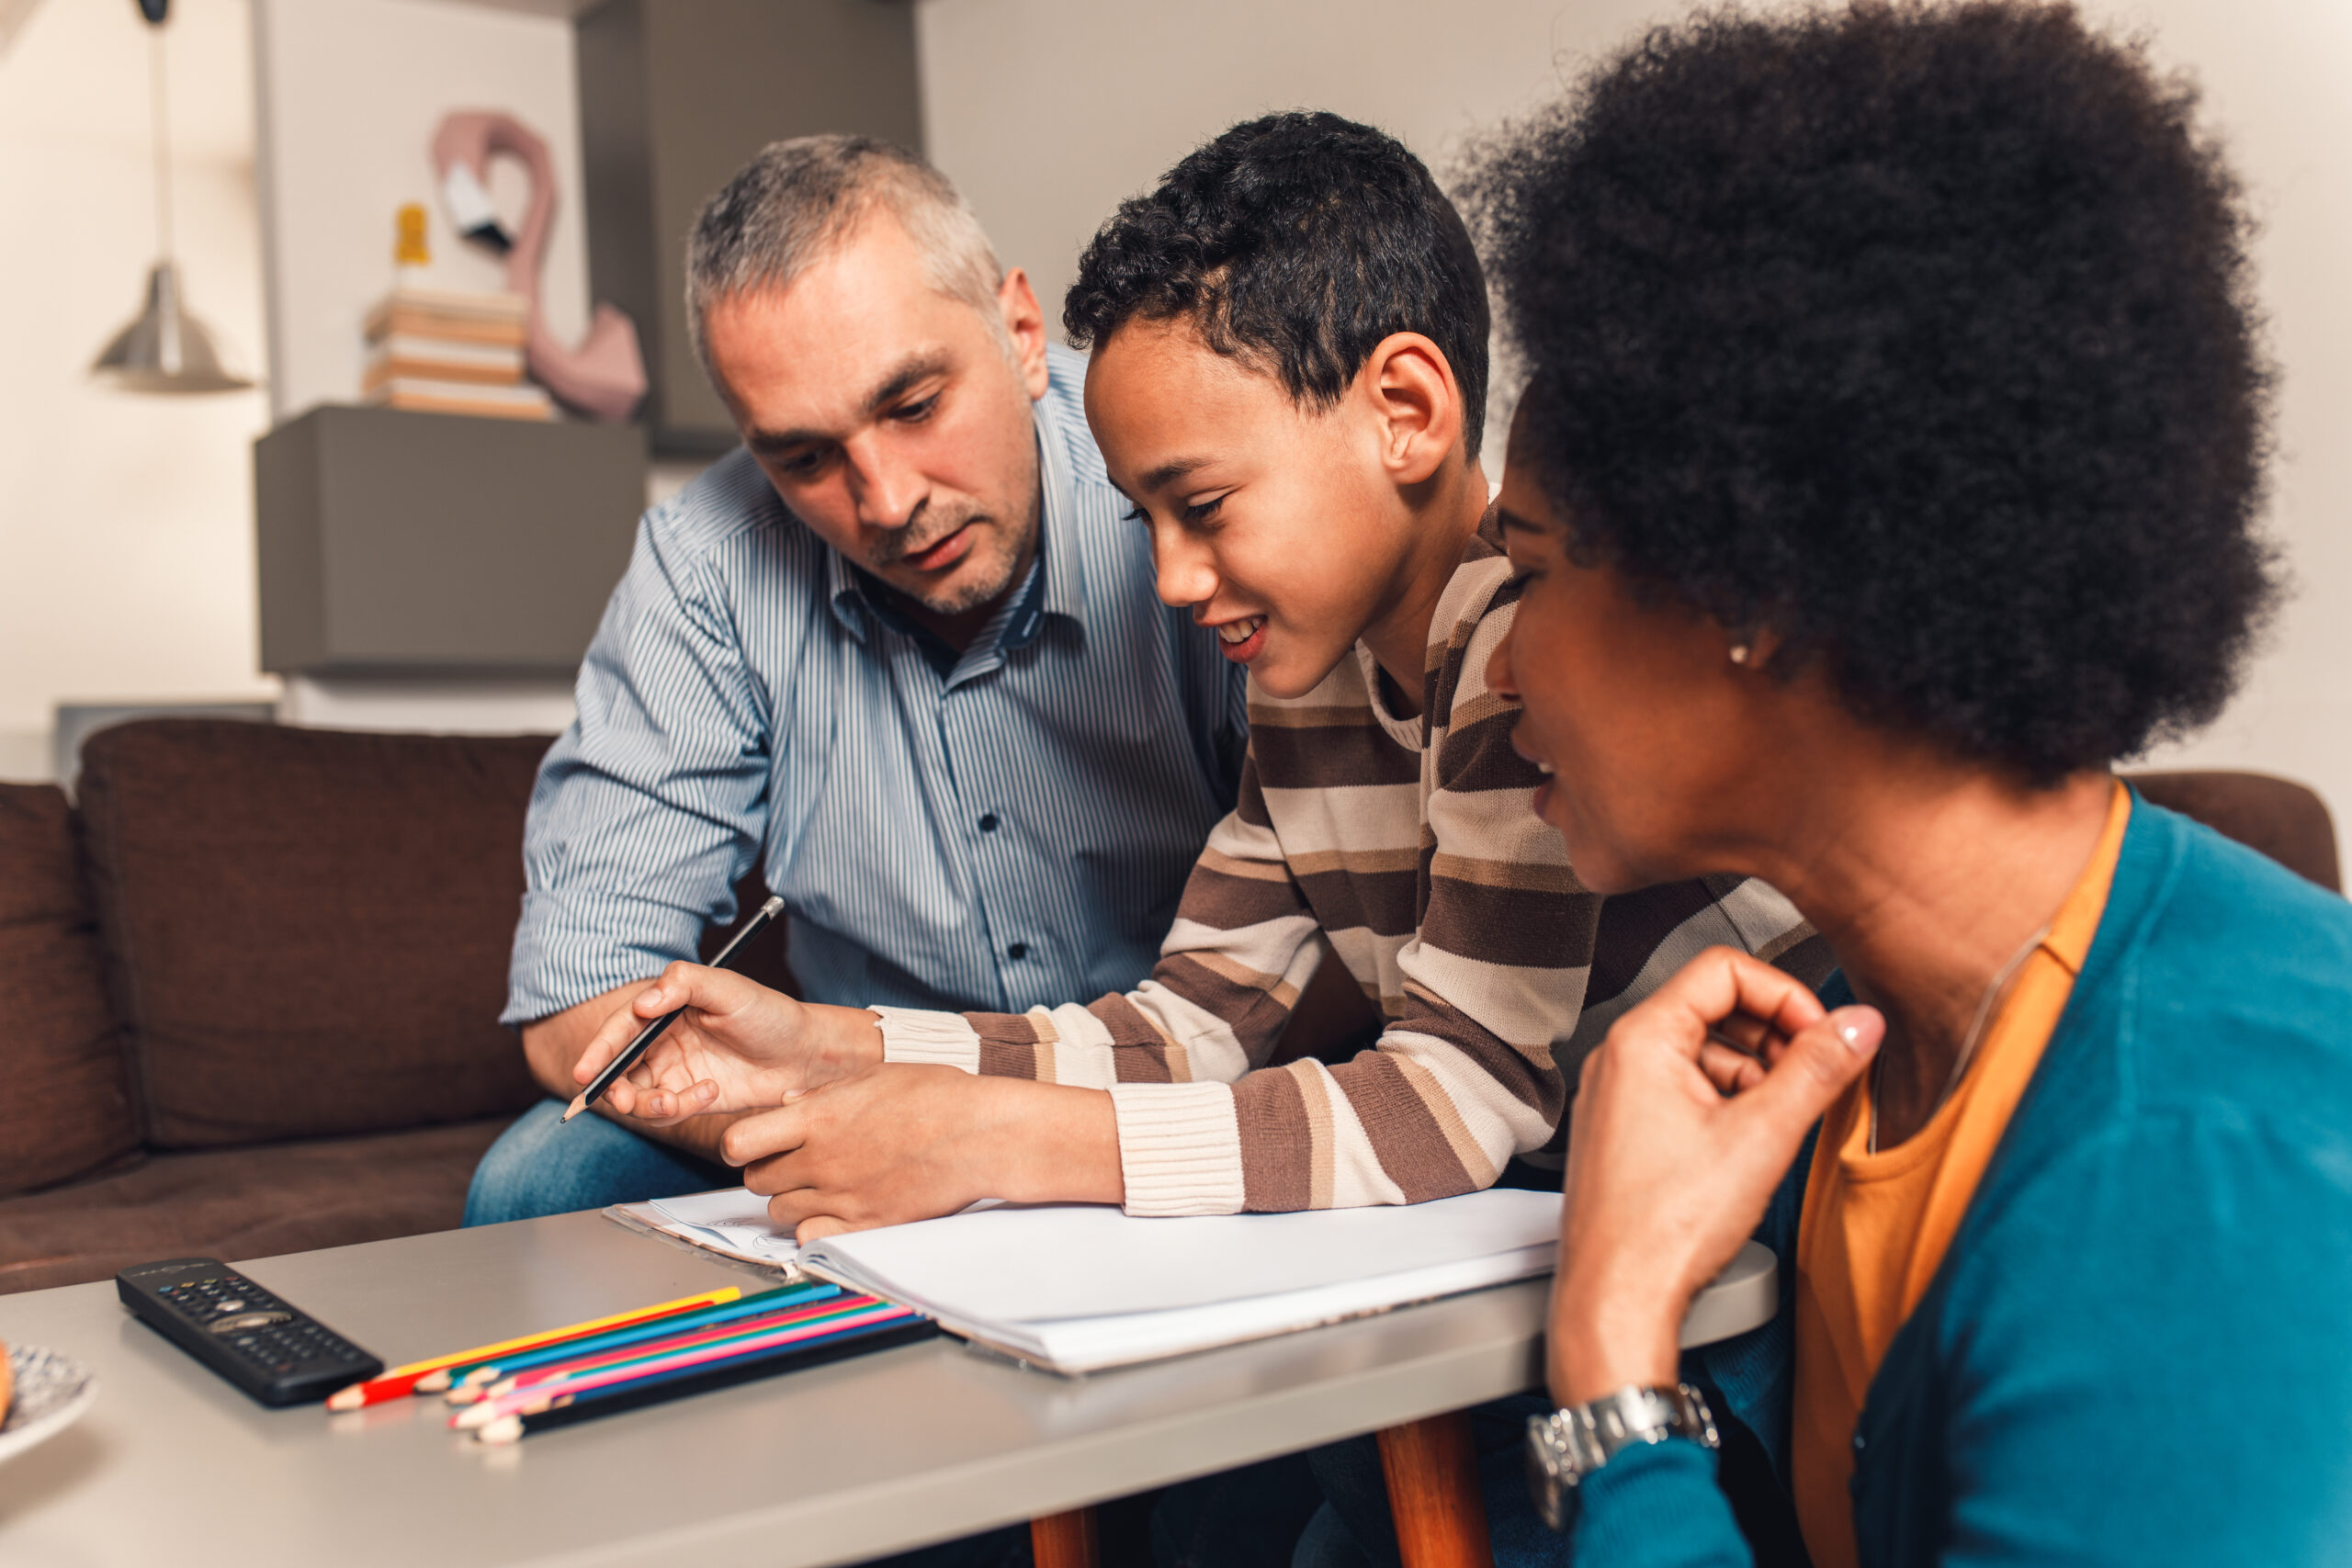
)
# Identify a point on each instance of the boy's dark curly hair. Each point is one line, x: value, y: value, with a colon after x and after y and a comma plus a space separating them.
x: 1919, y: 335
x: 1294, y: 244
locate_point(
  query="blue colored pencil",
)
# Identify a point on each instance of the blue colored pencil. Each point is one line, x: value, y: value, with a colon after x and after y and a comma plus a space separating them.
x: 466, y: 1380
x: 659, y: 1387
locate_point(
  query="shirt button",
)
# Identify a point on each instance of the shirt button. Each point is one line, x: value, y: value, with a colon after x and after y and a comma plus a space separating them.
x: 1857, y: 1442
x: 987, y: 822
x: 1018, y: 949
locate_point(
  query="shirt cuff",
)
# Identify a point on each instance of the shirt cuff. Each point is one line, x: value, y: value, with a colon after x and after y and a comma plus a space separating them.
x: 942, y: 1039
x: 1179, y: 1148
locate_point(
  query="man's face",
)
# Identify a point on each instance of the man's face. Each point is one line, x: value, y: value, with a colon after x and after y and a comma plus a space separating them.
x: 891, y: 418
x: 1275, y: 523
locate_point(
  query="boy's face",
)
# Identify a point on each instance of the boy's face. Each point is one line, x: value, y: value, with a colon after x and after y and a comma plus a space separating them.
x: 1275, y: 523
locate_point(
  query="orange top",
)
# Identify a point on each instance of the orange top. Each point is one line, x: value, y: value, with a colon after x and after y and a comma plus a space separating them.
x: 1876, y: 1227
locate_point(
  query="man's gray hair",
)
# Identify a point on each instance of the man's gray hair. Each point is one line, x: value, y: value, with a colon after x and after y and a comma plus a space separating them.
x: 797, y: 201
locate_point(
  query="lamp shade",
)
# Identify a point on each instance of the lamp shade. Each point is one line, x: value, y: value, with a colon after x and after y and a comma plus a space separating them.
x: 166, y: 349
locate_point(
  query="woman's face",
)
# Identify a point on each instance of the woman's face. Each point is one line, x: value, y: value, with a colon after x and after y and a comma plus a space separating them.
x: 1648, y: 729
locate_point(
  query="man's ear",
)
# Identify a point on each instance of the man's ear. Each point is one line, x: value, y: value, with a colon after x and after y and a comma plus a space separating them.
x: 1024, y: 328
x: 1411, y: 391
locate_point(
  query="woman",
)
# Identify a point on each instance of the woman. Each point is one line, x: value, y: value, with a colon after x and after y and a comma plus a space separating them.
x: 1888, y: 469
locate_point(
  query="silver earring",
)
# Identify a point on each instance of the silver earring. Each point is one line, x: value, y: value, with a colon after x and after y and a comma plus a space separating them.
x: 1740, y: 653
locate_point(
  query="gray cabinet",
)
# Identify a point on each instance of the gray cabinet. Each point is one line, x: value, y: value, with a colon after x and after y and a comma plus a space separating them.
x: 395, y: 541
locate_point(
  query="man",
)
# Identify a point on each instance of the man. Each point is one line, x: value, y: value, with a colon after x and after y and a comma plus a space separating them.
x: 900, y: 650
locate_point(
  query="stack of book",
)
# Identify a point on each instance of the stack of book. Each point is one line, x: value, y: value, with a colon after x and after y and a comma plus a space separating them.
x: 445, y: 352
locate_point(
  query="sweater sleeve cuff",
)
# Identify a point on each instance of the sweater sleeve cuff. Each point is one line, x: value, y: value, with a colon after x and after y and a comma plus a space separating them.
x: 944, y: 1039
x: 1657, y: 1503
x: 1179, y: 1148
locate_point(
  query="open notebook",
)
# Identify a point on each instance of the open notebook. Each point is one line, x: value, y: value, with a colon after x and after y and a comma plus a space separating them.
x: 730, y: 1222
x: 1079, y: 1287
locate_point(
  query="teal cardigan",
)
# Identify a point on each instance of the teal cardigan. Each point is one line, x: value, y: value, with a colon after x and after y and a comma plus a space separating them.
x: 2139, y: 1348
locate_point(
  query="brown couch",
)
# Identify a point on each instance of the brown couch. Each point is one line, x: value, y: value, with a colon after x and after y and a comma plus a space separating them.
x: 251, y: 986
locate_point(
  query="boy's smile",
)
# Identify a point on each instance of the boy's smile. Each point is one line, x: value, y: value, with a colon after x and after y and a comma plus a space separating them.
x: 1278, y: 525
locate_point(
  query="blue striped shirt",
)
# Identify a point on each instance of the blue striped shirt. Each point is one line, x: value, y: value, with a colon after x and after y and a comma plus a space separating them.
x: 1014, y: 832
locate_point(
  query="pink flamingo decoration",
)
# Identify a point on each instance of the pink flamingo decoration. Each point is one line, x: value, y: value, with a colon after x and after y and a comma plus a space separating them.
x: 605, y: 376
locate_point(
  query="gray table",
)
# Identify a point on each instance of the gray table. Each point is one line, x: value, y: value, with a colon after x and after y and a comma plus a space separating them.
x: 918, y: 1444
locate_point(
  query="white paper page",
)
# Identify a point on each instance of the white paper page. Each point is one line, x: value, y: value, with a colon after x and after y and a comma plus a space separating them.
x: 1016, y: 1265
x: 1089, y: 1343
x: 734, y: 1216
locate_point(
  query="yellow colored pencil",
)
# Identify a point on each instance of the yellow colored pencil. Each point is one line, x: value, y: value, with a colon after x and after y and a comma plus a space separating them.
x: 412, y: 1378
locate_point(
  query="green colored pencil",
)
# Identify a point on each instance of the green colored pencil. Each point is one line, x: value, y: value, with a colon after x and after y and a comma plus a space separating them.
x: 474, y: 1375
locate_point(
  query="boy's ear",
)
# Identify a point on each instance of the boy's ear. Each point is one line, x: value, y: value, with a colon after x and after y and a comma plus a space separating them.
x: 1411, y: 391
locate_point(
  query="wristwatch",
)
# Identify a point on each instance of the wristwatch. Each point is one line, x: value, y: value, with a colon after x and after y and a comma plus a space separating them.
x: 1568, y: 1445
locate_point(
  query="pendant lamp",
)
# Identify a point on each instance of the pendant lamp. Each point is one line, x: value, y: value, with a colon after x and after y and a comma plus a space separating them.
x: 165, y: 349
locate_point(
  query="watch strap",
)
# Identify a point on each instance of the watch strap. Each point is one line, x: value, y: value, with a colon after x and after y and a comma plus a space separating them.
x: 1568, y: 1445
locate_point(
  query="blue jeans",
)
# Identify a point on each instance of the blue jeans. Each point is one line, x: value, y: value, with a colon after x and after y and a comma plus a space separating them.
x: 543, y: 1166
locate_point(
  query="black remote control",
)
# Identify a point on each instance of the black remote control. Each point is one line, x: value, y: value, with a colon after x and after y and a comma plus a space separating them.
x: 275, y: 1352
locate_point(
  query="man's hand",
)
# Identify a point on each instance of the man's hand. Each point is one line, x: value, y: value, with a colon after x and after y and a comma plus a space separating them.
x: 906, y: 1142
x: 740, y: 1046
x: 1686, y: 1118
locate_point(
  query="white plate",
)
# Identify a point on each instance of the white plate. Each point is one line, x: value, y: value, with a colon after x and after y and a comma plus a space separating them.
x: 52, y: 1393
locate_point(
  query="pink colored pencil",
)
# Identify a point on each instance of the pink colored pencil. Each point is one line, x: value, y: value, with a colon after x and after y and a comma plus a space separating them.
x: 522, y: 1399
x: 789, y: 1318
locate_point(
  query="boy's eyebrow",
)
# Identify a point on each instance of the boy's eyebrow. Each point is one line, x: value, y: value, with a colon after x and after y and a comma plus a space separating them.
x: 1167, y: 473
x: 1508, y: 519
x: 915, y: 368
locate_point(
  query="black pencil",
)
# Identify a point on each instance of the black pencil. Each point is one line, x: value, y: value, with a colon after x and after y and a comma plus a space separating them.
x: 652, y: 1032
x: 593, y: 1403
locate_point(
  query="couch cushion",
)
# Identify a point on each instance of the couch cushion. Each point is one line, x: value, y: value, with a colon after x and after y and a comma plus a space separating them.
x: 66, y: 1106
x: 238, y: 1203
x: 308, y: 930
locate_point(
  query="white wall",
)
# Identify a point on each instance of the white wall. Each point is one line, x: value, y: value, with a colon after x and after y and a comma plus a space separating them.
x: 1047, y: 112
x: 126, y: 522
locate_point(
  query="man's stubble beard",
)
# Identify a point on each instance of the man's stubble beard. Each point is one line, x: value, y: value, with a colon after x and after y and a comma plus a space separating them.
x: 991, y: 585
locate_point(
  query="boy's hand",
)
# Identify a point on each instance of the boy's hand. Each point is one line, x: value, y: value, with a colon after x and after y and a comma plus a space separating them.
x: 740, y: 1046
x: 1674, y: 1149
x: 907, y: 1142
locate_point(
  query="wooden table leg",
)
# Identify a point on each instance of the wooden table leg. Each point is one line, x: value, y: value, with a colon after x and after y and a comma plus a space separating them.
x: 1433, y: 1494
x: 1068, y: 1541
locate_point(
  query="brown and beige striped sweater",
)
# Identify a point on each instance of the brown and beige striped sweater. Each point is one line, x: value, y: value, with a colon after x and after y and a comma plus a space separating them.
x: 1410, y: 845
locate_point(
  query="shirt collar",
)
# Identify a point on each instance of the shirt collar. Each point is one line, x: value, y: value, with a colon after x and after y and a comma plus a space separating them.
x: 1063, y: 560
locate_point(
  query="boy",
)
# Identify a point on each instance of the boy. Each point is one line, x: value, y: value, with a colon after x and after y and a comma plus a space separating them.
x: 1288, y: 382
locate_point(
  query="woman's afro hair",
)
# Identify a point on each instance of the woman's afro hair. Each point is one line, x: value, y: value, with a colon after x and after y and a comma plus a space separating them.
x: 1919, y: 335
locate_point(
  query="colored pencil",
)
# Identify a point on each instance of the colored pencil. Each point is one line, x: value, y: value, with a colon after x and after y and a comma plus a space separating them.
x: 652, y: 1032
x: 407, y: 1380
x: 468, y: 1381
x: 539, y: 1395
x: 643, y: 1392
x: 491, y: 1409
x: 707, y: 1337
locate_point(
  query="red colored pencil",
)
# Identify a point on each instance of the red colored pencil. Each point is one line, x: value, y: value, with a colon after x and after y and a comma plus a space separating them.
x: 404, y: 1381
x: 786, y: 1317
x: 542, y: 1394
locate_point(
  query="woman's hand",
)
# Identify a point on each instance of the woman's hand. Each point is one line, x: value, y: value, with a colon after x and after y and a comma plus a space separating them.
x: 740, y: 1046
x: 1687, y: 1117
